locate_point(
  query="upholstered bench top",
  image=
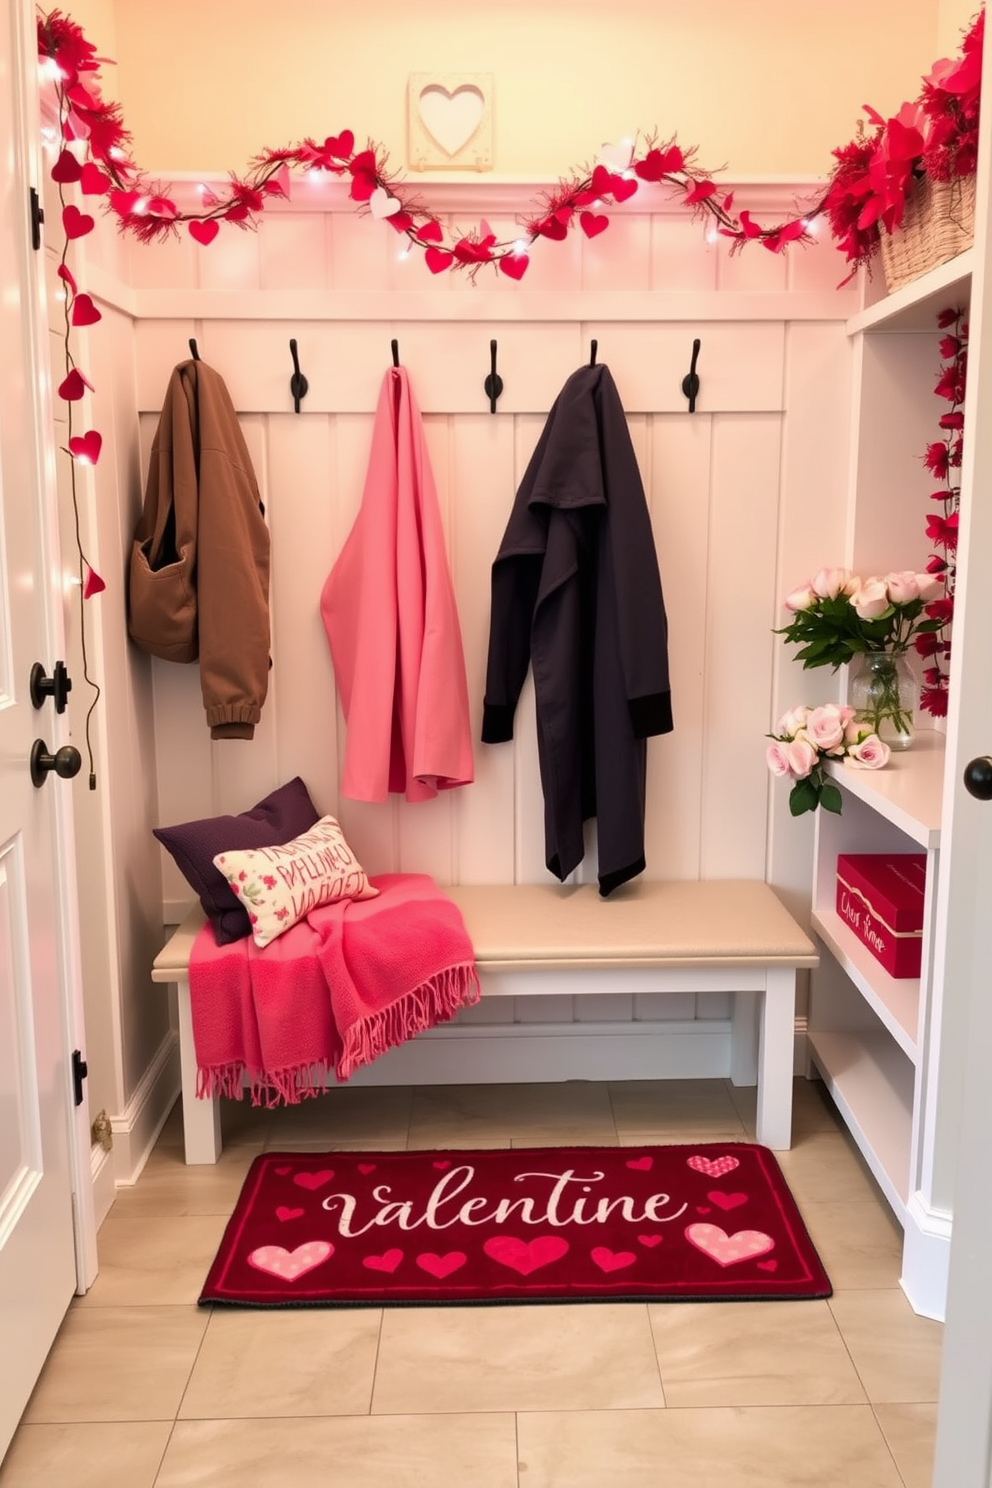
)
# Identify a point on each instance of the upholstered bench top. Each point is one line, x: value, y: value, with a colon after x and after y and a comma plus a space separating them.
x: 520, y: 927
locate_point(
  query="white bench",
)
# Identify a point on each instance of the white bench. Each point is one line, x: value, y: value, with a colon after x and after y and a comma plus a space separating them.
x: 535, y: 939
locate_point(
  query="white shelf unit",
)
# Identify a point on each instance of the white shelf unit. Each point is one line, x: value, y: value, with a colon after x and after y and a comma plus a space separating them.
x: 872, y: 1036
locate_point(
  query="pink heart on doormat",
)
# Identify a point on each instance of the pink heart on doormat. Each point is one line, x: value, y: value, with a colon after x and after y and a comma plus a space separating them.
x: 650, y: 1240
x: 713, y: 1167
x: 768, y: 1265
x: 526, y: 1256
x: 386, y: 1262
x: 441, y: 1266
x: 703, y: 1209
x: 612, y: 1260
x: 313, y: 1180
x: 728, y: 1250
x: 283, y: 1171
x: 282, y: 1213
x: 289, y: 1265
x: 641, y: 1164
x: 445, y: 1163
x: 366, y: 1168
x: 727, y: 1201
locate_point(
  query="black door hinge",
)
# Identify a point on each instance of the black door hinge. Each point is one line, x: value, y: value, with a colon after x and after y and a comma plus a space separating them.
x: 79, y: 1073
x: 37, y: 218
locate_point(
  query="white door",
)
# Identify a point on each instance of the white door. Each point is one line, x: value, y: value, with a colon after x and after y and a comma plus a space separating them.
x: 38, y: 1269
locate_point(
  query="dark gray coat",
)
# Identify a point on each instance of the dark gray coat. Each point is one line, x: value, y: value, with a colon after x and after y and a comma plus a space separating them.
x: 576, y: 594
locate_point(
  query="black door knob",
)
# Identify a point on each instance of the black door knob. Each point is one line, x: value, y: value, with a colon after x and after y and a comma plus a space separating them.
x: 57, y: 686
x: 978, y: 777
x: 65, y: 762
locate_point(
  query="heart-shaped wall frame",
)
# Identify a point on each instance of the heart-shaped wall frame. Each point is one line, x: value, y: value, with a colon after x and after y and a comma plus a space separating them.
x: 450, y: 121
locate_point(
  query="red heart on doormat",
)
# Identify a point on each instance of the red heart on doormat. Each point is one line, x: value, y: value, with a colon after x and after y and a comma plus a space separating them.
x: 313, y: 1180
x: 526, y: 1256
x: 282, y: 1213
x: 650, y: 1240
x: 767, y: 1265
x: 641, y: 1164
x: 441, y: 1266
x: 386, y: 1262
x: 727, y: 1201
x: 445, y: 1163
x: 366, y: 1168
x: 612, y: 1260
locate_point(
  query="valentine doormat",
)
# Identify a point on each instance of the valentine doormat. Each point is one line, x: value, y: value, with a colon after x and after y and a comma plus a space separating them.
x: 539, y: 1224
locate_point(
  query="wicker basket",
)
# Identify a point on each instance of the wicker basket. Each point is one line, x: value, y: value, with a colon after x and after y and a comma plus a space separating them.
x: 938, y: 224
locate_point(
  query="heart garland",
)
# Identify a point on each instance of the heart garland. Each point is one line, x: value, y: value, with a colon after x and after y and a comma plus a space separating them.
x: 149, y: 213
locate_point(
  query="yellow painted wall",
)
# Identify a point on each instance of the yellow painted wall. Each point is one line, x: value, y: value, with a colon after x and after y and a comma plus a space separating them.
x: 761, y: 86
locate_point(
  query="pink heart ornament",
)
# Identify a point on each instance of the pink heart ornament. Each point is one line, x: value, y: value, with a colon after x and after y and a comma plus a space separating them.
x: 610, y: 1260
x: 713, y: 1167
x: 440, y: 1266
x: 381, y: 204
x: 728, y: 1250
x: 282, y: 1213
x: 525, y: 1256
x: 388, y: 1261
x: 290, y: 1265
x: 313, y: 1181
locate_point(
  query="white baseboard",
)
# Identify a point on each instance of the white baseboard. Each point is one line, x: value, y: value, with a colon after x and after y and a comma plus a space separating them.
x: 104, y: 1187
x: 136, y: 1129
x: 926, y: 1254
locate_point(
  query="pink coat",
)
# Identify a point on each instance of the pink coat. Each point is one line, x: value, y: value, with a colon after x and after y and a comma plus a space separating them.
x: 389, y: 611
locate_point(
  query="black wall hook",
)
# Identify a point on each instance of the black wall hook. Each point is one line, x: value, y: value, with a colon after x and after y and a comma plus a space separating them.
x: 493, y: 384
x: 194, y: 353
x: 592, y: 353
x: 396, y: 352
x: 298, y: 385
x: 690, y: 382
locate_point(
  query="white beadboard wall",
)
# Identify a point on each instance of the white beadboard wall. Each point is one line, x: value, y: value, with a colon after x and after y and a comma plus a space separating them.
x: 745, y: 498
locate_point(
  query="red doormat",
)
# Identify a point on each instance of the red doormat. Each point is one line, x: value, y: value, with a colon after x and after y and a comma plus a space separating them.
x: 539, y: 1224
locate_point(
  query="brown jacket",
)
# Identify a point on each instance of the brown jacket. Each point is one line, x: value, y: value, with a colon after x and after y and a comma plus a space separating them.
x: 199, y: 575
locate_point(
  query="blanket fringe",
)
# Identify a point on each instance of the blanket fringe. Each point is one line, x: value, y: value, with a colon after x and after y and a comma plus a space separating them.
x: 268, y: 1088
x: 435, y: 1001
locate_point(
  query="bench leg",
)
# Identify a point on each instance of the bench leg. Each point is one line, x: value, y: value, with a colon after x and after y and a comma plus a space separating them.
x: 744, y: 1039
x: 775, y: 1054
x: 201, y: 1118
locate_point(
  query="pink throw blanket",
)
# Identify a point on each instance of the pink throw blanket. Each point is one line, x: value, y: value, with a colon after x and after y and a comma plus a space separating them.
x: 350, y: 981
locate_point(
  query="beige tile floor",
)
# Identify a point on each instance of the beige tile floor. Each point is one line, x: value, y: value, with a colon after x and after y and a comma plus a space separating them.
x: 145, y: 1390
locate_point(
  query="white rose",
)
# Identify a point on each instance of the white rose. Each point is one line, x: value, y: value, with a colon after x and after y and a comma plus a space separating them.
x: 800, y: 599
x: 931, y: 586
x: 830, y: 582
x: 790, y: 723
x: 903, y: 587
x: 872, y: 599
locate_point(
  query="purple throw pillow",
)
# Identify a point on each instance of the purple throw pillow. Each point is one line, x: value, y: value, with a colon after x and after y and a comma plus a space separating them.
x: 281, y: 816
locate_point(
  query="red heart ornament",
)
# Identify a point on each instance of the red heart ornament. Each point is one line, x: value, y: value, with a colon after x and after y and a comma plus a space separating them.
x: 362, y: 186
x: 437, y: 259
x: 76, y: 223
x: 66, y: 274
x: 602, y: 181
x: 340, y: 145
x: 430, y: 232
x: 204, y: 232
x: 92, y: 181
x: 514, y: 265
x: 92, y: 583
x: 622, y: 189
x: 84, y: 312
x: 123, y: 201
x: 592, y: 225
x: 66, y: 169
x: 73, y: 386
x: 363, y: 163
x: 86, y: 447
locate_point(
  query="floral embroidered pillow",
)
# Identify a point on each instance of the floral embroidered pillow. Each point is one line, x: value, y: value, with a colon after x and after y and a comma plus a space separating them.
x: 279, y: 885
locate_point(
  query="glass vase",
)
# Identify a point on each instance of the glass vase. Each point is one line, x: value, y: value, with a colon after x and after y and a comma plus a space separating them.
x: 884, y: 693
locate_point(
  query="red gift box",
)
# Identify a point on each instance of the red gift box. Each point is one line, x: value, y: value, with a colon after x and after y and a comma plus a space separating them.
x: 880, y: 897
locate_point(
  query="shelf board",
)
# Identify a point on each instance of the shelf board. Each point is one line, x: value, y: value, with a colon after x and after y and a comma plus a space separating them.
x: 872, y: 1085
x: 916, y: 306
x: 908, y: 791
x: 895, y: 1001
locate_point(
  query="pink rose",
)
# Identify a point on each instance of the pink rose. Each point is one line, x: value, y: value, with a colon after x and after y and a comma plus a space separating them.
x: 790, y: 723
x: 846, y: 714
x: 871, y: 600
x: 903, y: 587
x: 930, y: 585
x: 800, y: 599
x: 777, y: 758
x: 870, y: 754
x: 801, y: 756
x: 830, y: 582
x: 824, y: 727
